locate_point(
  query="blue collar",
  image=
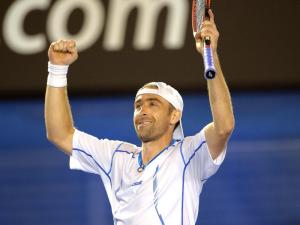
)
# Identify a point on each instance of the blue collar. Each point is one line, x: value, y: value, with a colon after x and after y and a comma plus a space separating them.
x: 140, y: 157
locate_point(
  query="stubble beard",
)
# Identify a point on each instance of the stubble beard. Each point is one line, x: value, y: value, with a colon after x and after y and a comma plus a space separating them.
x: 146, y: 135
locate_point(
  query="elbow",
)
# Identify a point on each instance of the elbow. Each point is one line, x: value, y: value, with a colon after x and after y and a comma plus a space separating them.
x: 52, y: 138
x: 227, y: 128
x: 62, y: 143
x: 60, y: 139
x: 49, y: 136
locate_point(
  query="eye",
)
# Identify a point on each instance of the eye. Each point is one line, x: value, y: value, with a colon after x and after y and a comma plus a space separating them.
x: 153, y: 103
x: 137, y: 106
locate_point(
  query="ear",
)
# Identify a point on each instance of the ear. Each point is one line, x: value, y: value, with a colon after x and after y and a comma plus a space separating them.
x: 175, y: 117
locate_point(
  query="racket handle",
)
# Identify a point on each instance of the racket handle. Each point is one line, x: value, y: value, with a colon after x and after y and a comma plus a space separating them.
x: 209, y: 67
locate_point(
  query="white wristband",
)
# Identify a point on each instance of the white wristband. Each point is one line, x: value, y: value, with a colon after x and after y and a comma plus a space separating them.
x: 58, y: 69
x: 57, y: 80
x: 57, y: 75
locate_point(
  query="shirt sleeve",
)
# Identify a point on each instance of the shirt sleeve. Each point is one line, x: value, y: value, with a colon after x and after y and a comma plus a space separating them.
x: 196, y: 154
x: 91, y: 154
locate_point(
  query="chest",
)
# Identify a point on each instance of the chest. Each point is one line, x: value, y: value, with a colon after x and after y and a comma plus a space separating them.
x: 160, y: 179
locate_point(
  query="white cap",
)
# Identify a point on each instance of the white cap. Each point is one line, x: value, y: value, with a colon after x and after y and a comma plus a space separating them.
x: 172, y: 96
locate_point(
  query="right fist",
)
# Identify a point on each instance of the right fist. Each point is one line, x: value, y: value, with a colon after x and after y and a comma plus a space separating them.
x: 63, y: 52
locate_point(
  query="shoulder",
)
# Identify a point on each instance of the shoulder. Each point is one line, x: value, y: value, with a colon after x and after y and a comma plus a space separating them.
x: 127, y: 147
x: 190, y: 145
x: 83, y: 139
x: 196, y: 140
x: 191, y: 142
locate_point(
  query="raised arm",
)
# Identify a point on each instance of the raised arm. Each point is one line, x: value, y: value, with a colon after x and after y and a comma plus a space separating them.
x: 218, y: 132
x: 58, y: 116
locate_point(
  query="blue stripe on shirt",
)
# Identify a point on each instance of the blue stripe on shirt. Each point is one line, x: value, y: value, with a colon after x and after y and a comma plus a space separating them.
x: 183, y: 176
x: 82, y: 151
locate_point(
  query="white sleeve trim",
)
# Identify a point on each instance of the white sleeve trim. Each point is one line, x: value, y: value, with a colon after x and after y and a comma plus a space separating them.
x: 73, y: 163
x: 76, y: 161
x: 218, y: 161
x: 75, y: 139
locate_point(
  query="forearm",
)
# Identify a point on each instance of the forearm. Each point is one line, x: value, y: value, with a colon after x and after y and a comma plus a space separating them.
x: 58, y: 118
x: 220, y: 101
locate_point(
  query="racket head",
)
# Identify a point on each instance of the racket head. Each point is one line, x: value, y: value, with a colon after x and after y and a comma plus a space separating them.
x: 199, y: 13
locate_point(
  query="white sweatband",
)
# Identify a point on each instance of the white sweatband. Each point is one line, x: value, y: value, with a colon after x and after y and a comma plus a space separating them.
x: 57, y: 76
x: 57, y: 69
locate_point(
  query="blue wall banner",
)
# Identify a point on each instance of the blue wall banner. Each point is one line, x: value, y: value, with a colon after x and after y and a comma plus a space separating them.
x: 257, y: 184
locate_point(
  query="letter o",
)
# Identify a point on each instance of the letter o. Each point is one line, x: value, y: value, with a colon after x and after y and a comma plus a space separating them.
x: 93, y: 24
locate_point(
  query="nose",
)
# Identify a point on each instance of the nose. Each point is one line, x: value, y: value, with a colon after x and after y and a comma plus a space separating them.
x: 143, y: 110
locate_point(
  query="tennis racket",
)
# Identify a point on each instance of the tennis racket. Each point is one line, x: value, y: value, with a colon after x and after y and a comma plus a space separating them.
x: 199, y: 13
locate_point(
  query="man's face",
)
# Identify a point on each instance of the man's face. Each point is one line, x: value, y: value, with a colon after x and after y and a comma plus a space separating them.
x: 151, y: 117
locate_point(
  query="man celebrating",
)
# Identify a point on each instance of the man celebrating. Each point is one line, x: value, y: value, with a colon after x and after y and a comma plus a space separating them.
x: 160, y: 182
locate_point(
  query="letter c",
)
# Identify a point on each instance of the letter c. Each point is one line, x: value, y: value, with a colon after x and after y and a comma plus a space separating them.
x: 13, y: 32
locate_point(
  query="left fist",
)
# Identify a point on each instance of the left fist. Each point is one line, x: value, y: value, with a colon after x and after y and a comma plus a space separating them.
x: 208, y: 29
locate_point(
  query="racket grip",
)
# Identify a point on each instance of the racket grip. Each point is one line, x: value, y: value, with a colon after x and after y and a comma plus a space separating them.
x: 209, y: 67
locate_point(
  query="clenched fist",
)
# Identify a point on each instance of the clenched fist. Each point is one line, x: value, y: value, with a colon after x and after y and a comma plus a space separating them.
x: 63, y: 52
x: 208, y: 29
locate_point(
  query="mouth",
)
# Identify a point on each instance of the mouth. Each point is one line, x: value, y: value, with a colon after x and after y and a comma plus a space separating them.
x: 143, y: 123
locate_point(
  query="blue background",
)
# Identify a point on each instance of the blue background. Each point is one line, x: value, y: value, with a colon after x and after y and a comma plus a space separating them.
x: 258, y: 184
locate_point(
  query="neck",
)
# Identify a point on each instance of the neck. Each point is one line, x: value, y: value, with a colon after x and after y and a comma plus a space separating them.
x: 152, y: 148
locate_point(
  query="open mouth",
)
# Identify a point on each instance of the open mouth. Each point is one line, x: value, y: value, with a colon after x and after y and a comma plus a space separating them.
x: 144, y: 123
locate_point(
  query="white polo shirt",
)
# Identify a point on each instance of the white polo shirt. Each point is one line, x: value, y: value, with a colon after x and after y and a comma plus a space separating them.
x: 166, y: 192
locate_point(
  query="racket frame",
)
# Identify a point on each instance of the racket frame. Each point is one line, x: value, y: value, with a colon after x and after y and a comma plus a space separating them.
x: 209, y: 68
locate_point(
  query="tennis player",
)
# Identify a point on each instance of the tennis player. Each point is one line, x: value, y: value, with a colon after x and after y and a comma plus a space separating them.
x: 159, y: 182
